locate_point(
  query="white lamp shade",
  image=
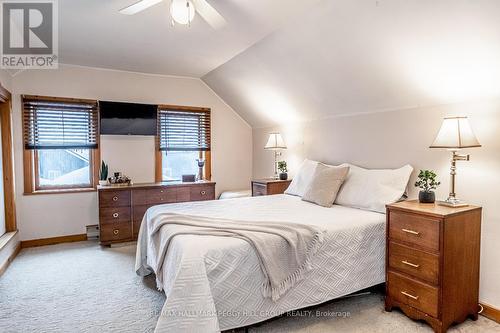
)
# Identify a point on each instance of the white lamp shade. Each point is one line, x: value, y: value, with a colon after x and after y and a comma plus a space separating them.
x: 455, y: 133
x: 275, y: 142
x: 182, y: 11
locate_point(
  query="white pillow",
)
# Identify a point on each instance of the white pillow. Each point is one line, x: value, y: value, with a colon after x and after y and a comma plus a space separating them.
x: 302, y: 179
x: 373, y: 189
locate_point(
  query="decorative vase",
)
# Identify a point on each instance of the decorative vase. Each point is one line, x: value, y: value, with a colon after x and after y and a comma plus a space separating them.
x: 103, y: 182
x: 426, y: 197
x: 201, y: 164
x: 283, y: 176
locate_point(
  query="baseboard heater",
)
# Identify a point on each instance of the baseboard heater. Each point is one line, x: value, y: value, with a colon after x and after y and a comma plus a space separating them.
x: 93, y: 232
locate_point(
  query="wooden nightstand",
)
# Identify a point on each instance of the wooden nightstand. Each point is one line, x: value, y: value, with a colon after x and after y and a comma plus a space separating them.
x: 269, y: 186
x: 432, y: 262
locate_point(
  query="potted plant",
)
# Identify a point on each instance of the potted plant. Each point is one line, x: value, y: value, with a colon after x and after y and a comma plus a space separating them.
x: 283, y: 170
x: 427, y: 183
x: 103, y: 174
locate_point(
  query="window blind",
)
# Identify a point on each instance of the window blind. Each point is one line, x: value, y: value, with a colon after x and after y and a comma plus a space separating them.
x: 183, y: 130
x: 58, y: 123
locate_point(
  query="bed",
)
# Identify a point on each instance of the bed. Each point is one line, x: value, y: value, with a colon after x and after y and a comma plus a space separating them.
x: 213, y: 283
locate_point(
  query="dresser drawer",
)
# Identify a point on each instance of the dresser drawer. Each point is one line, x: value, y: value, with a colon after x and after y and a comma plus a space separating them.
x: 199, y: 193
x: 419, y: 295
x: 139, y: 212
x: 114, y: 198
x: 259, y: 189
x: 157, y: 196
x: 139, y: 197
x: 183, y: 194
x: 116, y: 232
x: 419, y: 264
x: 112, y: 215
x: 414, y: 229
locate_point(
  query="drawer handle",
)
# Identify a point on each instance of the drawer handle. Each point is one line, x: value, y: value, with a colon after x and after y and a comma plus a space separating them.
x: 161, y: 191
x: 116, y: 232
x: 408, y: 231
x: 115, y: 198
x: 161, y: 199
x: 203, y: 192
x: 115, y: 215
x: 410, y: 264
x: 409, y: 295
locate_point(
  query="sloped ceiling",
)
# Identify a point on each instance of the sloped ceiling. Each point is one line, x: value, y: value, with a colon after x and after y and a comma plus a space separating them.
x: 93, y: 33
x: 354, y: 56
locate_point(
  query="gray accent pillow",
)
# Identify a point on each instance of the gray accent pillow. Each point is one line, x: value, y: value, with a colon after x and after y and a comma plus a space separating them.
x: 325, y: 184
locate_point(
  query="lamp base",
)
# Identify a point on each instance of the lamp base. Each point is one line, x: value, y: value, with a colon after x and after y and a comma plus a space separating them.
x: 453, y: 202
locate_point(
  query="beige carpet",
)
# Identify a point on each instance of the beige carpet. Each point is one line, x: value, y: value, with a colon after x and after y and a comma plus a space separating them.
x: 81, y: 287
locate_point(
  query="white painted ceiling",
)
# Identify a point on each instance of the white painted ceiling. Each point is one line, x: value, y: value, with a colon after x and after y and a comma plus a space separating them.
x: 352, y: 56
x: 93, y: 33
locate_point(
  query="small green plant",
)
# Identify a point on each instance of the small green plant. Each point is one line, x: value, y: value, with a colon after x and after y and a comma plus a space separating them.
x: 282, y: 166
x: 103, y: 173
x: 427, y: 180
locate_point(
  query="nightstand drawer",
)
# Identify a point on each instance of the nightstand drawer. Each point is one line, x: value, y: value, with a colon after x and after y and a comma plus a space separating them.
x: 419, y: 295
x: 277, y: 188
x: 417, y: 263
x: 414, y: 229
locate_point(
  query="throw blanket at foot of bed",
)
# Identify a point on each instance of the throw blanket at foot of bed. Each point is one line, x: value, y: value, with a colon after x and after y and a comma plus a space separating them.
x: 284, y: 250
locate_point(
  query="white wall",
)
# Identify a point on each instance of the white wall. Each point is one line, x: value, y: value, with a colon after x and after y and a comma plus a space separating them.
x: 6, y: 79
x: 122, y: 153
x: 392, y: 139
x: 51, y: 215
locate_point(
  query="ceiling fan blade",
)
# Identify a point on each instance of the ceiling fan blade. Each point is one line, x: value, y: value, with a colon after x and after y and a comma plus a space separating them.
x: 139, y: 6
x: 209, y: 14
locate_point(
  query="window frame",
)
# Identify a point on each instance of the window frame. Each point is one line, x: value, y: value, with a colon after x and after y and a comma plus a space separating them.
x: 7, y: 164
x: 207, y: 169
x: 30, y: 160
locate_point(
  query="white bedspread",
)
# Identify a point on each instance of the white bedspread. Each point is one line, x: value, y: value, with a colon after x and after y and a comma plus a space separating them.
x: 214, y: 283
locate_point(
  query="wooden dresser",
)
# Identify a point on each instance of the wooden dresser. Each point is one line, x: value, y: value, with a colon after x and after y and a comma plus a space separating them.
x: 432, y: 262
x: 121, y: 208
x: 269, y: 186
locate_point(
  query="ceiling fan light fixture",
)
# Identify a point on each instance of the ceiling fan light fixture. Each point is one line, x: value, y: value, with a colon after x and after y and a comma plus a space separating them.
x: 182, y: 11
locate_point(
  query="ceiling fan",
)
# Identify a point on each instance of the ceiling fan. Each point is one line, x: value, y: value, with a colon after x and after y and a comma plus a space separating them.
x: 182, y: 11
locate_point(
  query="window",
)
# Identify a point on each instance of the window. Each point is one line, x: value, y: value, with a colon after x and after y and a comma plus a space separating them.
x: 174, y: 164
x: 61, y: 144
x: 63, y: 167
x: 183, y: 139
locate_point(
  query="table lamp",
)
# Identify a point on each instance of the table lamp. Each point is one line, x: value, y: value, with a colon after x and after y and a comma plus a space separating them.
x: 275, y: 143
x: 455, y: 134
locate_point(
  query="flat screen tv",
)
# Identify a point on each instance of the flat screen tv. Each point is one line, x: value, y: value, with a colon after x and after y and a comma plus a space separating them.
x: 118, y: 118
